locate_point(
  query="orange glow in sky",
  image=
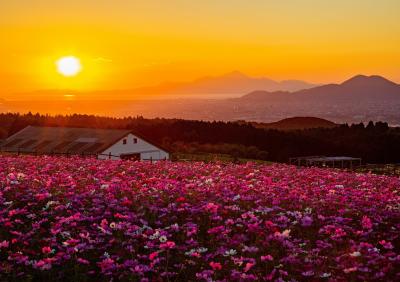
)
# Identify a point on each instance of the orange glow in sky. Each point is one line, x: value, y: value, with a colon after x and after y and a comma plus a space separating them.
x: 124, y: 44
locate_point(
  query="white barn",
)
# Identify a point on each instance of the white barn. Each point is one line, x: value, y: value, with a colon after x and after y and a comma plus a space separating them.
x: 132, y: 146
x: 104, y: 143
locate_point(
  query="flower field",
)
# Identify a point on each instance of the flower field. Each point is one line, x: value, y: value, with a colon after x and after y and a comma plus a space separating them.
x: 76, y: 219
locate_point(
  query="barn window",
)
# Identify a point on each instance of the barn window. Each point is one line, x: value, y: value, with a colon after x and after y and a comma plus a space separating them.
x: 134, y: 140
x: 124, y: 141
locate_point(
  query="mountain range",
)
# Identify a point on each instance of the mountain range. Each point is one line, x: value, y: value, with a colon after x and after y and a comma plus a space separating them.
x: 358, y: 88
x: 236, y: 85
x: 232, y: 84
x: 358, y: 99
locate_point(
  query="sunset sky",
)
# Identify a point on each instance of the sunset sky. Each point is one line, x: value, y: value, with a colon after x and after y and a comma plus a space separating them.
x: 123, y: 44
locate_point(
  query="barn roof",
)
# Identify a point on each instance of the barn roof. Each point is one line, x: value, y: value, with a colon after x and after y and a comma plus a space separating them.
x: 63, y: 140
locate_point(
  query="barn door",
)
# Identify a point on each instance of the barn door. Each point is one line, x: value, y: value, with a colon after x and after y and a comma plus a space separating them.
x: 133, y: 156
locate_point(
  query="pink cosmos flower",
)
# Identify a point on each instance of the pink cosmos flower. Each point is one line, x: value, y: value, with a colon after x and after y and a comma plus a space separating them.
x: 167, y: 245
x: 195, y: 255
x: 44, y: 264
x: 121, y: 216
x: 180, y: 199
x: 46, y: 250
x: 42, y: 196
x: 211, y: 207
x: 127, y: 202
x: 106, y: 264
x: 216, y: 230
x: 82, y: 261
x: 386, y: 245
x: 351, y: 269
x: 215, y: 265
x: 104, y: 223
x: 248, y: 266
x: 269, y: 224
x: 339, y: 232
x: 4, y: 244
x: 153, y: 255
x: 284, y: 234
x: 366, y: 222
x: 267, y: 258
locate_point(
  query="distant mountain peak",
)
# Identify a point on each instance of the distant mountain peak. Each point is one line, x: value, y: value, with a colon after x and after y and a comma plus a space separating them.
x: 235, y: 74
x: 367, y: 80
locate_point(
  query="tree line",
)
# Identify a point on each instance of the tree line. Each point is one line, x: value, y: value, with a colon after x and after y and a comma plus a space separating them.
x: 374, y: 142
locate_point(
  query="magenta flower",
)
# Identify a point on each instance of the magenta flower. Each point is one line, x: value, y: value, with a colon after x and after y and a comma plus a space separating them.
x: 106, y: 264
x: 386, y: 245
x: 180, y: 221
x: 248, y: 266
x: 153, y: 255
x: 167, y: 245
x: 306, y: 221
x: 83, y: 261
x: 366, y: 222
x: 267, y: 258
x: 4, y: 244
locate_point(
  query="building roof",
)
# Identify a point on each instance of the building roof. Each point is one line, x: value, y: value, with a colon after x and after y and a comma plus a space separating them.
x: 326, y: 159
x: 63, y: 140
x: 330, y: 159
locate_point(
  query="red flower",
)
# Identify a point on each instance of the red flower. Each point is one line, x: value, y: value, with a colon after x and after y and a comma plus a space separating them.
x: 181, y: 199
x: 152, y: 256
x: 215, y: 265
x: 46, y: 250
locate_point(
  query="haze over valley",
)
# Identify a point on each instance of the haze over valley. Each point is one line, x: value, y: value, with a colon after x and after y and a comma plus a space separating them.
x: 230, y: 97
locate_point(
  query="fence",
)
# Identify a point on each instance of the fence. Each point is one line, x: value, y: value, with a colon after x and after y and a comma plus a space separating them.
x: 387, y: 169
x: 323, y: 161
x: 66, y: 154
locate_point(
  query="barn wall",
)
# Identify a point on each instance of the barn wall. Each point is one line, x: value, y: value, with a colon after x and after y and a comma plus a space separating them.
x: 145, y: 149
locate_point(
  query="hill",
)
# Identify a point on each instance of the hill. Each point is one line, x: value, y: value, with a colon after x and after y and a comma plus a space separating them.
x: 296, y: 123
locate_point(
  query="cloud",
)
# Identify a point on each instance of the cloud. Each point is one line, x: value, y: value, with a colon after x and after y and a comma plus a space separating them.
x: 102, y: 60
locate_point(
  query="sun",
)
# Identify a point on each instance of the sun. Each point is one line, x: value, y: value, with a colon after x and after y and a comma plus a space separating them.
x: 68, y: 66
